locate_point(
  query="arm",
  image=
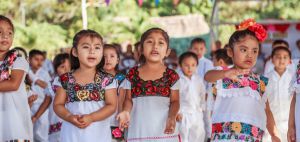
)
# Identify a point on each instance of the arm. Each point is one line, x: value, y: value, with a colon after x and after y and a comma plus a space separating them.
x: 292, y: 127
x: 124, y: 116
x: 174, y: 108
x: 214, y: 75
x: 13, y: 83
x: 121, y: 99
x: 44, y: 106
x: 271, y: 126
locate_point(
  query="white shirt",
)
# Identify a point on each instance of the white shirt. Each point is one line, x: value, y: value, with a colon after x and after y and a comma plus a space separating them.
x: 192, y: 94
x: 41, y: 92
x: 270, y: 66
x: 296, y: 53
x: 204, y: 65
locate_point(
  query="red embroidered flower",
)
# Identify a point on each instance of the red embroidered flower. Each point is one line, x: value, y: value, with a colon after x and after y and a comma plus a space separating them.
x: 136, y: 91
x: 95, y: 96
x: 218, y: 127
x: 253, y: 85
x: 165, y: 91
x: 64, y: 77
x: 76, y: 87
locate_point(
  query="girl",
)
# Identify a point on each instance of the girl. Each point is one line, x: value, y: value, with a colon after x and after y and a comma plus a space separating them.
x: 192, y: 100
x: 279, y: 96
x: 61, y: 65
x: 153, y: 101
x: 294, y: 118
x: 86, y: 96
x: 112, y: 58
x: 241, y: 105
x: 15, y: 119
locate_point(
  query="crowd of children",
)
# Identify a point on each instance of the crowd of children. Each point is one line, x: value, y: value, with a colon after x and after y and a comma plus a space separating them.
x: 96, y: 93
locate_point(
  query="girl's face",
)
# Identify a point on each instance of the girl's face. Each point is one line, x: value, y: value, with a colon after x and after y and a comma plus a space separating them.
x: 155, y: 47
x: 6, y: 36
x: 111, y: 59
x: 64, y: 67
x: 189, y: 66
x: 281, y: 59
x: 89, y: 51
x: 245, y: 52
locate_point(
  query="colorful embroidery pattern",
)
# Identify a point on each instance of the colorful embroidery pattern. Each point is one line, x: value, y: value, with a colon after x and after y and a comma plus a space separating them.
x: 236, y: 131
x: 159, y: 87
x: 55, y: 128
x: 89, y: 92
x: 254, y: 81
x: 5, y: 67
x: 120, y: 78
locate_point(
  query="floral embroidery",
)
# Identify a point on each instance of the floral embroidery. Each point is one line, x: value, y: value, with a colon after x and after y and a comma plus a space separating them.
x: 55, y: 127
x: 254, y: 81
x: 5, y: 67
x: 117, y: 133
x: 90, y: 92
x: 159, y: 87
x: 236, y: 131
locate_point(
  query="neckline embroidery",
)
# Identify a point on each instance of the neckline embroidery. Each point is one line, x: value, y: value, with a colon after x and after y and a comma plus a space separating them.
x: 6, y: 65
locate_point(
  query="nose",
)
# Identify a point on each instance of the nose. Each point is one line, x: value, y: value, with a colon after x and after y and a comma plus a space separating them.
x: 92, y: 50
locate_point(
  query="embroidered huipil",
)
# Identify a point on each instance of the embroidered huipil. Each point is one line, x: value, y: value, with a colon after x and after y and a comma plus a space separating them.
x: 151, y: 103
x: 86, y: 99
x: 239, y: 109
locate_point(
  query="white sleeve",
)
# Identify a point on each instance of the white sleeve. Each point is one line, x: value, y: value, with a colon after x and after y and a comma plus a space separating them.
x: 176, y: 85
x: 126, y: 84
x: 21, y: 64
x: 112, y: 85
x: 56, y: 82
x: 202, y: 94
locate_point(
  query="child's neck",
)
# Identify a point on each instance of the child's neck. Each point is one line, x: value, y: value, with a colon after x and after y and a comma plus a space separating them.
x: 112, y: 72
x: 280, y: 71
x: 153, y: 66
x: 34, y: 70
x: 83, y: 70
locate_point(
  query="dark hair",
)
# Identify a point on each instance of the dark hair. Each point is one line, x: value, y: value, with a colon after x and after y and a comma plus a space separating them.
x: 197, y: 40
x: 187, y: 55
x: 83, y: 33
x: 22, y: 50
x: 35, y: 52
x: 281, y: 48
x: 297, y: 42
x: 238, y: 35
x: 145, y: 35
x: 112, y: 46
x: 222, y: 54
x: 60, y: 59
x: 137, y: 45
x: 280, y: 41
x: 3, y: 18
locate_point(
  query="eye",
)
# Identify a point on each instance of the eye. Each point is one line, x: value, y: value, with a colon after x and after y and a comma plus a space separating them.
x: 98, y: 47
x: 85, y: 47
x: 243, y: 50
x: 149, y: 41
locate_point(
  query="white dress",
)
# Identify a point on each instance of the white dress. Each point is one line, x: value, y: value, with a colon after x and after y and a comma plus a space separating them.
x: 296, y: 88
x: 85, y: 100
x: 280, y: 97
x: 150, y: 108
x: 15, y: 120
x: 192, y: 105
x: 54, y: 121
x: 41, y: 126
x: 239, y: 110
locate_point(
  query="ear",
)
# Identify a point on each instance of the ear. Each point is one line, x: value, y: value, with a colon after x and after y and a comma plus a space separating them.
x: 168, y: 52
x: 221, y: 62
x: 230, y: 52
x: 74, y: 52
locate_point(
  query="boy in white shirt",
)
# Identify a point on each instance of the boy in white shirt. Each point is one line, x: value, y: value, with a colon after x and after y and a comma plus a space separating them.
x: 40, y: 83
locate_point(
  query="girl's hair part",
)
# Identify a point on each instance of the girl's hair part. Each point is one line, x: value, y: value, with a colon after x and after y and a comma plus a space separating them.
x: 238, y: 35
x: 83, y: 33
x: 3, y: 18
x: 145, y: 35
x: 187, y: 55
x: 281, y: 48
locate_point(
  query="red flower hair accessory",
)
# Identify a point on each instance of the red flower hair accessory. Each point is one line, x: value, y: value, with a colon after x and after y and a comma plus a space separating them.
x: 258, y: 29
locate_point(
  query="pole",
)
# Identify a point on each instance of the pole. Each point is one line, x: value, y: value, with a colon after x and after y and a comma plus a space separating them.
x: 84, y: 14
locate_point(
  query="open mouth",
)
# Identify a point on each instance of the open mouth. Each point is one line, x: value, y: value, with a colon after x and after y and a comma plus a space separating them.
x: 4, y: 42
x: 154, y: 53
x: 248, y: 62
x: 91, y: 59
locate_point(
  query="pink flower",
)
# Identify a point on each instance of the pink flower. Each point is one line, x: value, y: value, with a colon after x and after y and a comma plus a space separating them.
x: 71, y: 80
x: 117, y: 133
x: 244, y: 81
x: 230, y: 86
x: 253, y: 85
x: 254, y: 131
x: 105, y: 82
x: 4, y: 75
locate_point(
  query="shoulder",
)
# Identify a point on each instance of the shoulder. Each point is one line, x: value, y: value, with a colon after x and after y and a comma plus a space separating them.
x: 131, y: 73
x: 104, y: 78
x: 263, y: 79
x: 172, y: 76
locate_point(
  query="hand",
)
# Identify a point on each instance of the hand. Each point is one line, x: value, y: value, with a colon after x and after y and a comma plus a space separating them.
x: 234, y: 73
x: 178, y: 117
x: 74, y: 119
x: 86, y: 120
x: 275, y: 139
x: 291, y: 134
x: 170, y: 126
x: 32, y: 98
x: 124, y: 119
x: 41, y: 83
x: 33, y: 119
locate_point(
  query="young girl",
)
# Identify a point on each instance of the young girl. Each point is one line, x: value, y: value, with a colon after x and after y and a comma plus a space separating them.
x: 15, y: 119
x: 241, y: 105
x: 61, y: 65
x: 192, y: 100
x: 152, y: 103
x: 112, y: 59
x: 294, y: 118
x: 279, y: 96
x: 86, y: 97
